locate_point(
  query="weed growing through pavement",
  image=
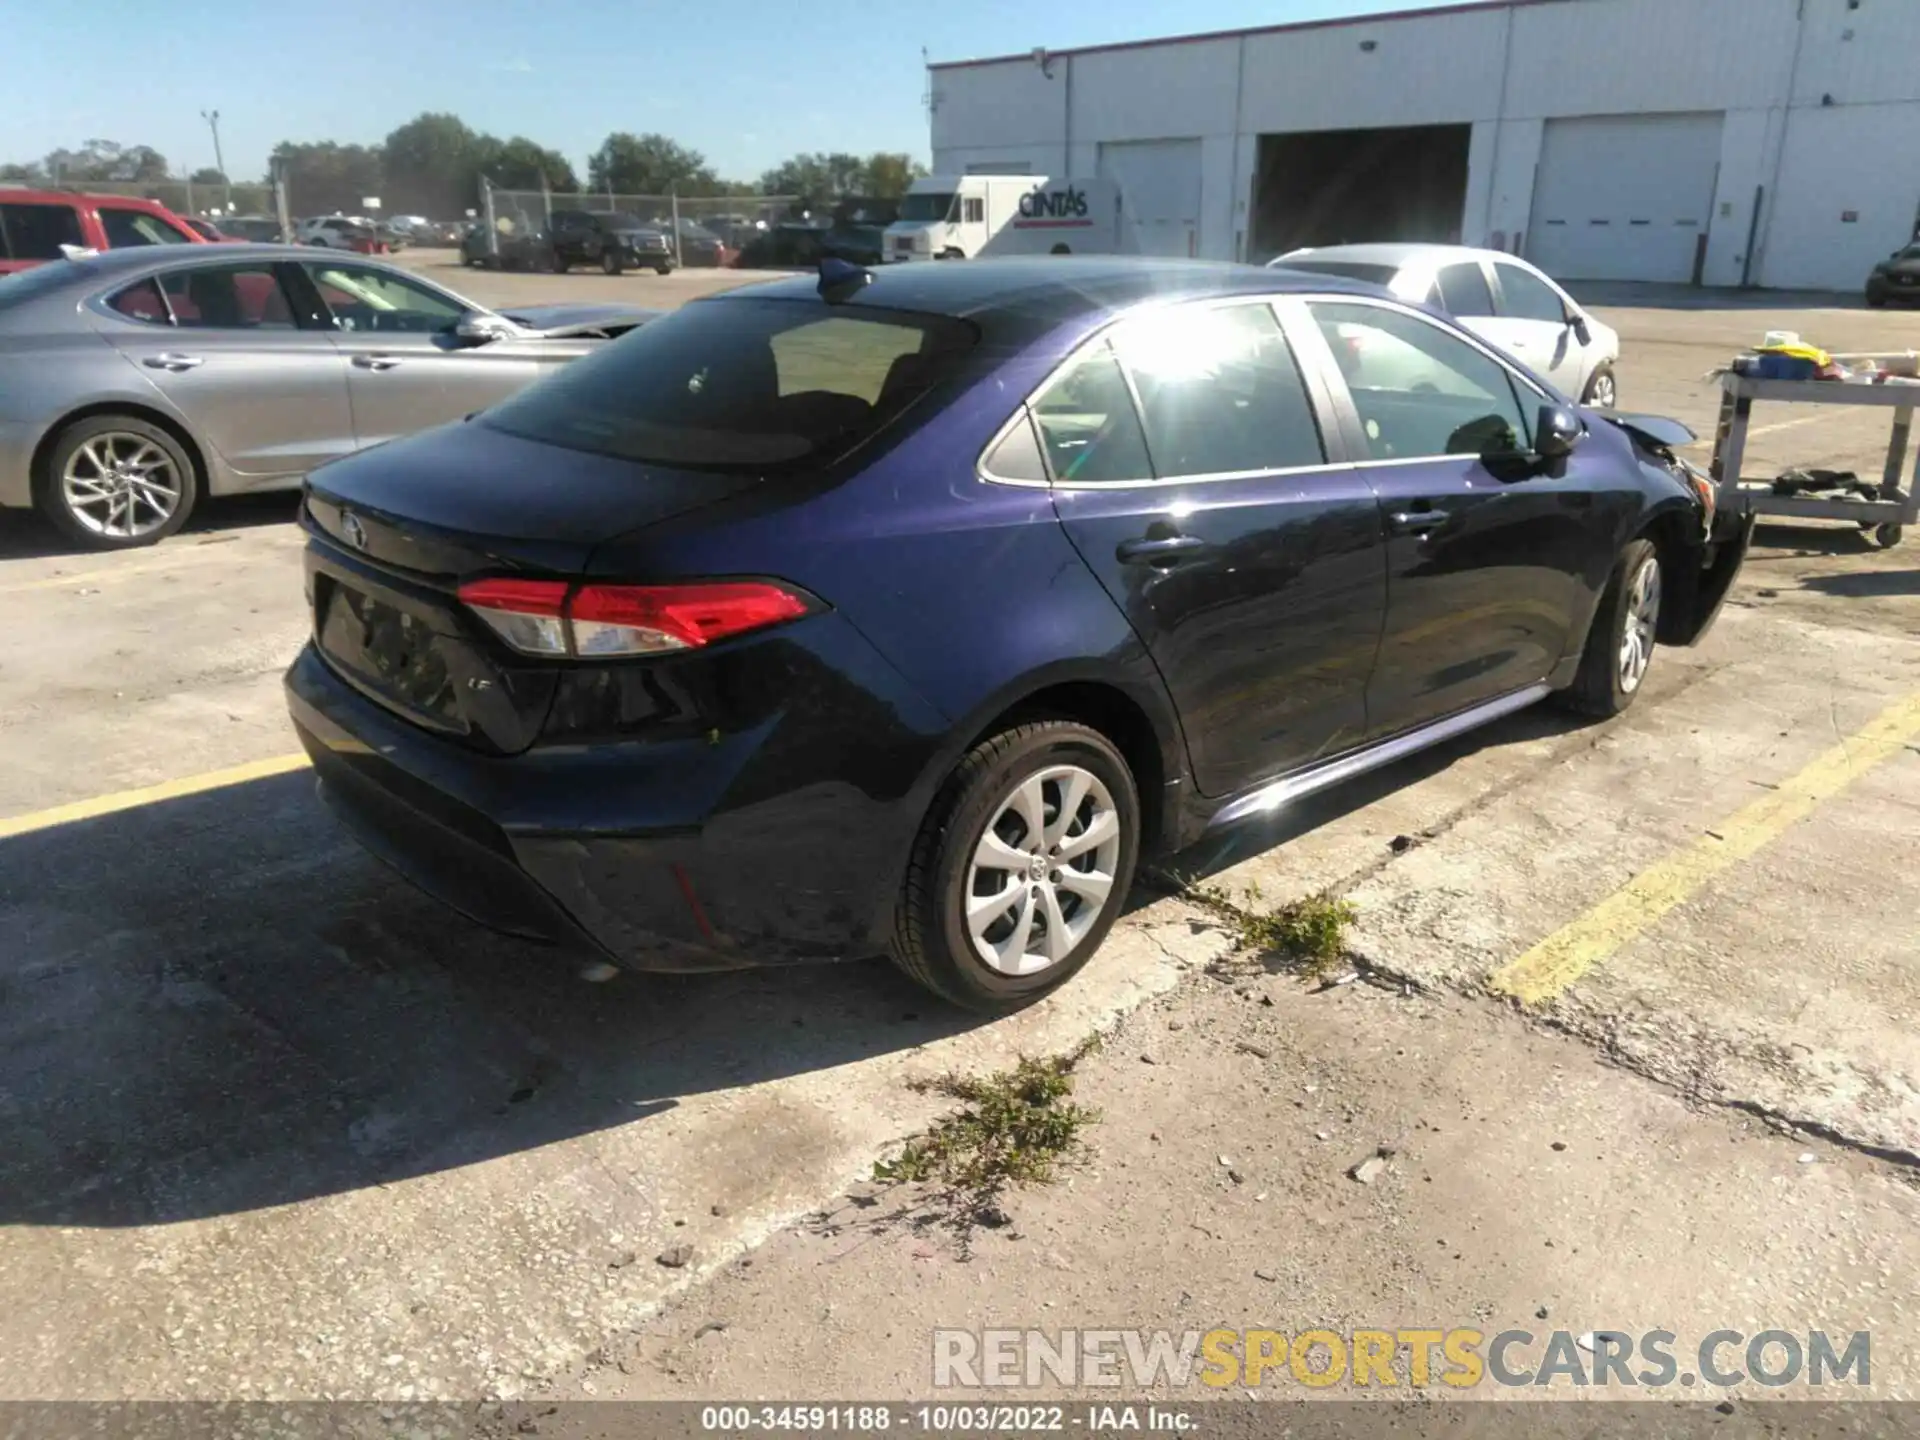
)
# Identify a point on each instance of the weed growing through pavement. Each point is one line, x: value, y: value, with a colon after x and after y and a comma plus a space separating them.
x: 1016, y: 1127
x: 1307, y: 935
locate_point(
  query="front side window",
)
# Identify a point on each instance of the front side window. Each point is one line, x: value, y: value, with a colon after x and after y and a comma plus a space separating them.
x: 228, y: 297
x: 36, y: 232
x: 137, y: 227
x: 1219, y: 391
x: 366, y: 300
x: 1418, y: 390
x: 1525, y: 296
x: 743, y: 384
x: 1463, y: 290
x: 1088, y: 423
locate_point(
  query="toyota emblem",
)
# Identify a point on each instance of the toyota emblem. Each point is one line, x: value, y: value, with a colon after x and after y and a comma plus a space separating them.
x: 355, y: 532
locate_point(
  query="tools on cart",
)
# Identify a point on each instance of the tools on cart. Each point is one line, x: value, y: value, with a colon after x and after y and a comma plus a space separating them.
x: 1785, y: 369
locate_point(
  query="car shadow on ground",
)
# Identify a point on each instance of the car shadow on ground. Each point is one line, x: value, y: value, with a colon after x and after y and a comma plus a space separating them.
x: 1866, y: 585
x: 1787, y: 541
x: 24, y: 535
x: 218, y: 1003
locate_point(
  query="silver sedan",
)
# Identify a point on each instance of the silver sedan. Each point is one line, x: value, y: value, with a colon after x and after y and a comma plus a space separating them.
x: 135, y: 382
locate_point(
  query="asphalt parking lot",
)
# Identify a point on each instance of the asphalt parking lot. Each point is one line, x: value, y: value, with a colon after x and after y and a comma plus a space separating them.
x: 283, y: 1128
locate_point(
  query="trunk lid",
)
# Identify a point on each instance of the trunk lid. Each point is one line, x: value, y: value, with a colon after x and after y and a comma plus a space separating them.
x: 396, y: 529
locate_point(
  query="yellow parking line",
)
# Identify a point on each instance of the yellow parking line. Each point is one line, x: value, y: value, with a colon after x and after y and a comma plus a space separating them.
x: 1567, y: 954
x: 149, y: 795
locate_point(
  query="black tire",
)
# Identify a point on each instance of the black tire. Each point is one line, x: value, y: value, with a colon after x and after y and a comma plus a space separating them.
x: 1876, y: 298
x: 50, y: 495
x: 1591, y: 397
x: 561, y: 264
x: 931, y: 941
x: 611, y: 262
x: 664, y: 268
x: 1600, y: 687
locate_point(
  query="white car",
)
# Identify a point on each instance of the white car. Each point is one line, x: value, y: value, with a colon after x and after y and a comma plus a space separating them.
x: 1499, y: 297
x: 334, y: 232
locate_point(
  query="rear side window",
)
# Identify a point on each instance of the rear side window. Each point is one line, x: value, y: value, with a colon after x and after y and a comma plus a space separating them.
x: 137, y: 227
x: 141, y: 302
x: 1524, y: 296
x: 36, y: 232
x: 740, y: 384
x: 228, y: 297
x: 1463, y: 290
x: 1219, y: 392
x: 1088, y: 423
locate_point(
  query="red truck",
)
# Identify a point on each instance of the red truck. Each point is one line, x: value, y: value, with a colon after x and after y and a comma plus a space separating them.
x: 34, y: 224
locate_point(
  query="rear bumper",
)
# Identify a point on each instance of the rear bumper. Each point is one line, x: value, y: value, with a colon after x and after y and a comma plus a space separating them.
x: 609, y: 849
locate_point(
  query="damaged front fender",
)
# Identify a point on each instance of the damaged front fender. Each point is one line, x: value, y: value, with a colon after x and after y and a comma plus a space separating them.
x: 1696, y: 594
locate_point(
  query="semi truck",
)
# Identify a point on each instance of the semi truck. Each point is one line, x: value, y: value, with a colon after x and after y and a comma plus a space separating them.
x: 964, y: 217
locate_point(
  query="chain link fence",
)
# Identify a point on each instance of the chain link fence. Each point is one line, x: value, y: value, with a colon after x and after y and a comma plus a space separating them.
x: 700, y: 230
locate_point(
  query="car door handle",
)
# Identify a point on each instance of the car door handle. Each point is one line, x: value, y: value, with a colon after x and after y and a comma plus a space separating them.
x: 375, y: 362
x: 1418, y: 522
x: 1160, y: 549
x: 173, y: 362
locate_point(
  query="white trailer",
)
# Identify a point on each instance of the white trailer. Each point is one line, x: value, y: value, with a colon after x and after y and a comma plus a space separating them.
x: 963, y: 217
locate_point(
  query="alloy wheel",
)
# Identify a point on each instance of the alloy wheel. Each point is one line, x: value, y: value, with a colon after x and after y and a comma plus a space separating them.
x: 1043, y: 871
x: 1638, y: 625
x: 121, y: 485
x: 1605, y: 392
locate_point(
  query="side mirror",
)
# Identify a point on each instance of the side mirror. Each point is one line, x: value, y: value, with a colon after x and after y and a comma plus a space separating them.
x: 478, y: 327
x: 1556, y: 431
x: 1577, y: 323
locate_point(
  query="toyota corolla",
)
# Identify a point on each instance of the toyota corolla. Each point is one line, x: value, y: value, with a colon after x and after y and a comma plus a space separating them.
x: 906, y: 611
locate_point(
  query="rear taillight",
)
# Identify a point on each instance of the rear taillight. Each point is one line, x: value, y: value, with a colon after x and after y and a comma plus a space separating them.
x: 556, y: 619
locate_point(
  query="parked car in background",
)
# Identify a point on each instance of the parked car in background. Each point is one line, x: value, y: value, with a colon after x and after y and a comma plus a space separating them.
x: 699, y: 247
x: 205, y: 229
x: 1896, y: 279
x: 443, y: 232
x: 790, y: 244
x: 134, y: 382
x: 514, y: 247
x: 613, y: 241
x: 1495, y: 295
x: 258, y: 229
x: 908, y: 609
x: 856, y: 243
x: 341, y: 232
x: 35, y: 224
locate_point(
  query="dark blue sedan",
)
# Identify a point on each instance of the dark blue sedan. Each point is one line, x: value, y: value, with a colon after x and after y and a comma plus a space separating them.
x: 907, y: 611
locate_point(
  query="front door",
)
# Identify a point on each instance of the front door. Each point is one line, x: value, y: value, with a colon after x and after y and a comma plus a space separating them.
x: 1534, y: 323
x: 406, y: 369
x: 1485, y: 571
x: 1190, y: 473
x: 222, y: 343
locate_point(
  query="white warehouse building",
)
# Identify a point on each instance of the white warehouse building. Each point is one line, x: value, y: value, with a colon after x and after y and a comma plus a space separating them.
x: 1719, y: 142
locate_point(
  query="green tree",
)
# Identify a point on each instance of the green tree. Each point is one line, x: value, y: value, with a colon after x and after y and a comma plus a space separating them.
x: 106, y: 162
x: 629, y: 164
x: 889, y: 173
x: 326, y: 176
x: 206, y: 175
x: 826, y: 177
x: 519, y: 164
x: 429, y: 165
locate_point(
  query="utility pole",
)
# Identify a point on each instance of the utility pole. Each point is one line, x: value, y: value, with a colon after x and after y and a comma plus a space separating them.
x: 212, y: 117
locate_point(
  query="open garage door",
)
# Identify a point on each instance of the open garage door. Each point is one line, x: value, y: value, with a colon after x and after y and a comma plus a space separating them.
x: 1346, y: 187
x: 1624, y: 197
x: 1159, y: 184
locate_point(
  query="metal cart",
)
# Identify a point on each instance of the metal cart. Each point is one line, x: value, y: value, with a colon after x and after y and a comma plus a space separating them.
x: 1886, y: 517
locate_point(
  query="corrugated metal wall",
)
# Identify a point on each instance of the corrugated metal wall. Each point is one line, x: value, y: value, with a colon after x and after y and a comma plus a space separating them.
x: 1506, y: 71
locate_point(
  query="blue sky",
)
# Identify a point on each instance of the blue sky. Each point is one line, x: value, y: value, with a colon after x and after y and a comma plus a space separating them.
x: 747, y: 82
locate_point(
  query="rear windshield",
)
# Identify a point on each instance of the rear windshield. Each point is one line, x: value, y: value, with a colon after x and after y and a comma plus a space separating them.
x: 1346, y: 269
x: 741, y: 384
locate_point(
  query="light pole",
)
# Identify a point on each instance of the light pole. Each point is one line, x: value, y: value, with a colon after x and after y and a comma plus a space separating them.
x: 212, y: 117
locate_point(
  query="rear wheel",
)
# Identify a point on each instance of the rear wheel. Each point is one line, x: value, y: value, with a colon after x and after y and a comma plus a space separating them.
x: 1620, y: 643
x: 1602, y: 390
x: 116, y: 482
x: 1021, y: 868
x: 663, y: 268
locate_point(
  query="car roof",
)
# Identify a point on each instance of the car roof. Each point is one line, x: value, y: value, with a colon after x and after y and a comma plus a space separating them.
x: 108, y: 265
x: 15, y: 194
x: 1048, y: 288
x: 1396, y: 254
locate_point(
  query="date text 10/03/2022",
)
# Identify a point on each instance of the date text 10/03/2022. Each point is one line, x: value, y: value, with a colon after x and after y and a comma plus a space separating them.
x: 1093, y: 1419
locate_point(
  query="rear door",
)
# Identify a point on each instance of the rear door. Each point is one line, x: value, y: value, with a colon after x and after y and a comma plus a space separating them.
x: 1535, y: 319
x: 226, y: 345
x: 1487, y: 572
x: 406, y: 370
x: 1193, y: 472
